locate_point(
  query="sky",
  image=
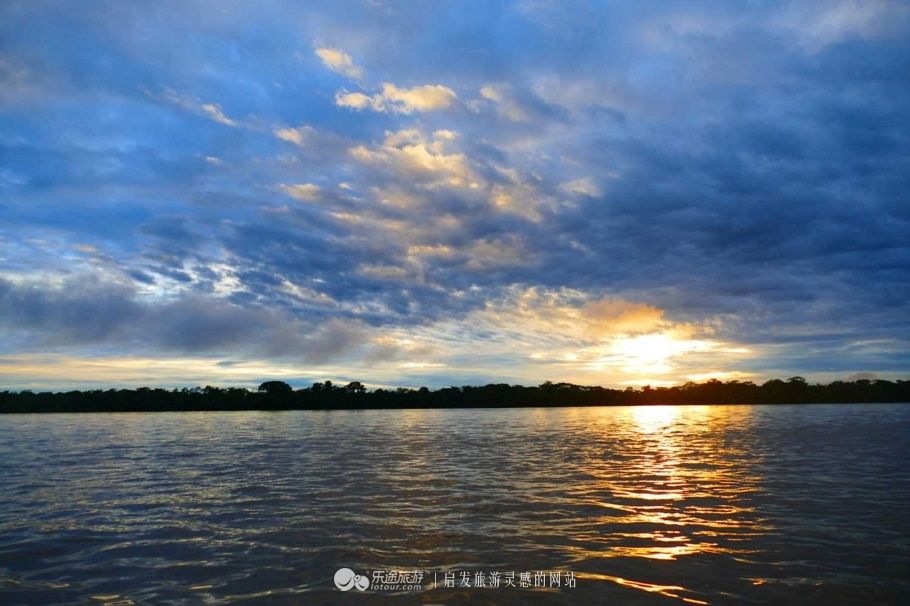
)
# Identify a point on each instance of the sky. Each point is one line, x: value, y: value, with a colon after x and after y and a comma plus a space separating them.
x: 447, y: 193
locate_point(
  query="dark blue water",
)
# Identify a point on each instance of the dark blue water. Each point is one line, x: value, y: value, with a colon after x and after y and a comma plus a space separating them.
x: 642, y: 505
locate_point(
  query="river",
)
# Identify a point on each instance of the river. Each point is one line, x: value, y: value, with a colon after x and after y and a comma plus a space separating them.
x: 602, y: 505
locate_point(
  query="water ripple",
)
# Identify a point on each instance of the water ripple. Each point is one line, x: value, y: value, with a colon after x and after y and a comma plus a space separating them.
x: 647, y: 505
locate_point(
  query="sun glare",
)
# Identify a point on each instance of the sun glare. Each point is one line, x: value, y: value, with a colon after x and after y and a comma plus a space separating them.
x: 650, y: 419
x: 651, y: 354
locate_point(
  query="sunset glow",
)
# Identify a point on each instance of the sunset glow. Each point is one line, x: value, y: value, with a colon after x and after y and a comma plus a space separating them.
x: 435, y: 194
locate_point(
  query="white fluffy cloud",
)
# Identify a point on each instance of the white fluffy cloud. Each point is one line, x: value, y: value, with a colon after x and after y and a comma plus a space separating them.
x: 396, y: 100
x: 391, y: 98
x: 297, y: 136
x: 340, y: 62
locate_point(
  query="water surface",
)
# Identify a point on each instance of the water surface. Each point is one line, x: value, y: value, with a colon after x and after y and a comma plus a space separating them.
x: 645, y: 505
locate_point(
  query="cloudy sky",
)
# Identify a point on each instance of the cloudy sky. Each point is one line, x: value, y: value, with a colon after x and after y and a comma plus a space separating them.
x: 435, y: 193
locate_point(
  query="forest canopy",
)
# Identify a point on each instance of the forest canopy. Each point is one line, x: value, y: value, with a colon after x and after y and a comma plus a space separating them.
x: 279, y: 395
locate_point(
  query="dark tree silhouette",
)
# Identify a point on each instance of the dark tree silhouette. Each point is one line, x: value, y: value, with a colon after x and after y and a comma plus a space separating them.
x: 278, y: 395
x: 275, y: 388
x: 355, y: 387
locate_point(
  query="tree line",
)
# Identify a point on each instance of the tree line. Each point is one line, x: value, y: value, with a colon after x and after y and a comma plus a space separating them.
x: 278, y: 395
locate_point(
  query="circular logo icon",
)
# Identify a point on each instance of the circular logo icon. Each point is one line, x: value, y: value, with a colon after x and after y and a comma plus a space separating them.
x: 345, y: 579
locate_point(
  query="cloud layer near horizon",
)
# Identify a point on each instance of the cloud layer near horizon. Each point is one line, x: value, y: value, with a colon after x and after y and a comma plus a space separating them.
x: 433, y: 194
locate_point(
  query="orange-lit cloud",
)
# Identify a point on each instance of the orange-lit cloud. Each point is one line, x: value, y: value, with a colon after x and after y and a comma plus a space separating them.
x: 410, y: 152
x: 397, y: 100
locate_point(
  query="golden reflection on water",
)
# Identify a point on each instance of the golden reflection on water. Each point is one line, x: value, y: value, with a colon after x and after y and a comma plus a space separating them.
x: 650, y: 419
x: 671, y: 487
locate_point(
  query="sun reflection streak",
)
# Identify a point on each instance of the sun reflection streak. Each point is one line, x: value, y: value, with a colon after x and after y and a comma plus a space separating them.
x: 669, y: 489
x: 650, y: 419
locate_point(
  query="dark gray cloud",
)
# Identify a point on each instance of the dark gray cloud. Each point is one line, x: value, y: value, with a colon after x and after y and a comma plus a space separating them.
x: 84, y: 312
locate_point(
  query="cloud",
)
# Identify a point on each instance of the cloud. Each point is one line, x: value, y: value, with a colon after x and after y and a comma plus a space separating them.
x: 505, y: 101
x: 572, y: 334
x: 358, y: 101
x: 585, y: 186
x: 429, y: 97
x: 21, y: 83
x: 87, y: 312
x: 213, y: 111
x: 818, y: 25
x: 612, y: 315
x: 411, y: 152
x: 298, y: 136
x: 308, y: 192
x: 574, y: 314
x: 340, y: 62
